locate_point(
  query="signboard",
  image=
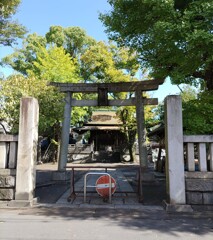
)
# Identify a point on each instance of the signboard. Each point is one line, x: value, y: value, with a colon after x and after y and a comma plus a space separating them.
x: 102, y: 185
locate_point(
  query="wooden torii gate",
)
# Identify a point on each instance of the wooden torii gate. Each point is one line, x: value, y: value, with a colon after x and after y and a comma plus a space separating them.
x: 138, y: 87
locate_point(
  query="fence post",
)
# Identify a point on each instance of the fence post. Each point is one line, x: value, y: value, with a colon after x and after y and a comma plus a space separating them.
x: 27, y: 153
x: 174, y: 150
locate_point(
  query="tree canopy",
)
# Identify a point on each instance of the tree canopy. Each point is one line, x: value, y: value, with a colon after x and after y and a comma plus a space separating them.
x: 51, y: 64
x: 197, y: 112
x: 67, y: 55
x: 10, y: 30
x: 174, y: 38
x: 74, y: 39
x: 18, y: 86
x: 108, y: 63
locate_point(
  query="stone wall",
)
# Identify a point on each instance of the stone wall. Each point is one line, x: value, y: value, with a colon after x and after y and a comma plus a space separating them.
x: 199, y: 188
x: 7, y: 184
x: 8, y: 160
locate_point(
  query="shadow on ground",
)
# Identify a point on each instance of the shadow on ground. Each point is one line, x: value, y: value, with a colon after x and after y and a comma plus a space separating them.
x: 141, y: 220
x: 154, y: 192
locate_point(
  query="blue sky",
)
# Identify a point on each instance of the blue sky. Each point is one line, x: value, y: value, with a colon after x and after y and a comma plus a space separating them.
x: 37, y: 16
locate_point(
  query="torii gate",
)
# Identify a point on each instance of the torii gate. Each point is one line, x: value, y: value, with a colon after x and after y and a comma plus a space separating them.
x: 103, y: 89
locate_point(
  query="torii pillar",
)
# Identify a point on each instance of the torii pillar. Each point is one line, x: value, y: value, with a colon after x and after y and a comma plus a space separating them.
x: 65, y: 132
x: 141, y: 129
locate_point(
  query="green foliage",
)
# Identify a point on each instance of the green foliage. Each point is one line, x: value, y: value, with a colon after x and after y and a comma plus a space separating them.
x: 188, y: 93
x: 51, y: 102
x: 158, y: 113
x: 22, y: 59
x: 127, y: 116
x: 16, y: 87
x: 125, y: 60
x: 54, y: 65
x: 49, y: 59
x: 197, y: 111
x: 173, y: 38
x: 99, y: 65
x: 9, y: 29
x: 74, y: 39
x: 50, y: 65
x: 197, y: 114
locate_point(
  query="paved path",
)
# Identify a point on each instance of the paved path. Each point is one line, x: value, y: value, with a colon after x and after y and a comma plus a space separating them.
x: 124, y: 194
x: 98, y: 220
x: 64, y: 223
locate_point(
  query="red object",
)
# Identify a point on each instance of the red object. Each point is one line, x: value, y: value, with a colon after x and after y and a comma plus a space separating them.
x: 102, y: 185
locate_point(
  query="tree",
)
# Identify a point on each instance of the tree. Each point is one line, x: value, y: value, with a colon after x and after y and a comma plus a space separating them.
x: 99, y: 65
x: 18, y: 86
x: 173, y: 38
x: 188, y: 93
x: 22, y: 59
x: 197, y: 111
x: 9, y: 29
x: 127, y: 116
x: 50, y: 65
x: 74, y: 39
x: 54, y: 65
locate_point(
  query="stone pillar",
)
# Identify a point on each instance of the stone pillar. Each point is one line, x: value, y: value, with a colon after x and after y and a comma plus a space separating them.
x: 174, y: 150
x: 141, y: 129
x: 27, y: 152
x: 3, y: 155
x: 65, y: 133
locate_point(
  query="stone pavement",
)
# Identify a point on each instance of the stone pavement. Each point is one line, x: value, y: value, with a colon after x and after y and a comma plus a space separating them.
x: 124, y: 194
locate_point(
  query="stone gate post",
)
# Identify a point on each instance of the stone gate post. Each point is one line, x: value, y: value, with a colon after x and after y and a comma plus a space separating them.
x: 174, y: 150
x: 27, y: 153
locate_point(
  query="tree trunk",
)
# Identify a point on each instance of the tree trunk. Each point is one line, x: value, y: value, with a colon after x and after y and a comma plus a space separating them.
x: 131, y: 140
x: 209, y: 79
x: 131, y: 153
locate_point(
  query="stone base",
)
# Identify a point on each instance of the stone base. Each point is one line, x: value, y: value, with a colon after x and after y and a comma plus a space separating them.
x: 22, y: 203
x: 7, y: 194
x: 202, y: 208
x: 177, y: 207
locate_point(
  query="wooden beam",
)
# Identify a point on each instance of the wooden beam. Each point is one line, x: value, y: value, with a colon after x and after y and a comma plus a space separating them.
x: 117, y: 102
x: 147, y: 85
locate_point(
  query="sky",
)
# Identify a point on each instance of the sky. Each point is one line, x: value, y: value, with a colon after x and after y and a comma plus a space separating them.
x: 37, y: 16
